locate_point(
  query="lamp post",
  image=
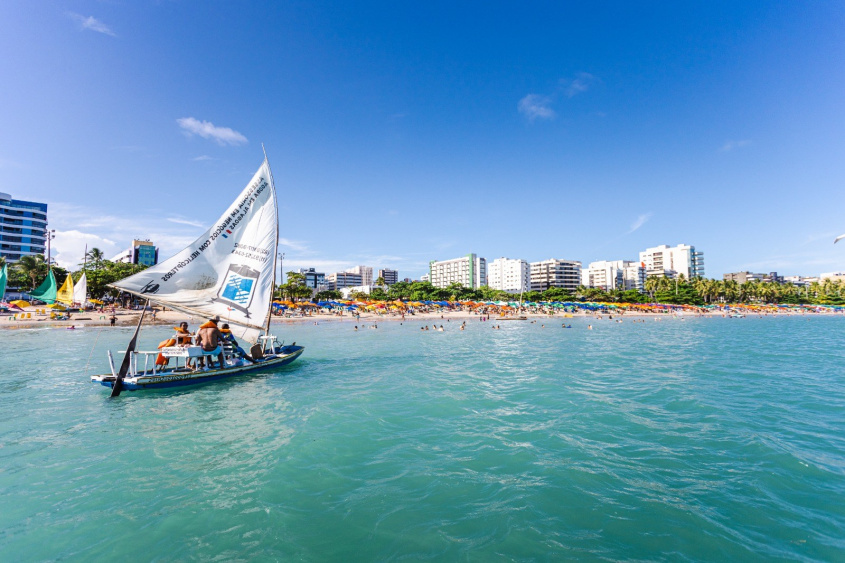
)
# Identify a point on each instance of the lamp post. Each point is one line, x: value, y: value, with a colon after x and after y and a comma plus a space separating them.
x: 50, y: 236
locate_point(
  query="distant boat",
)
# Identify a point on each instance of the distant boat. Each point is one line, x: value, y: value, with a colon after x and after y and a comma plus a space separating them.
x: 228, y: 272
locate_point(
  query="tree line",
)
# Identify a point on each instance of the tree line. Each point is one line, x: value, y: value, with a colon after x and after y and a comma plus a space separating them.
x: 680, y: 291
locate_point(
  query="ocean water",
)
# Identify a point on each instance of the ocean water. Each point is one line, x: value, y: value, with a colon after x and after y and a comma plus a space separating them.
x: 703, y: 439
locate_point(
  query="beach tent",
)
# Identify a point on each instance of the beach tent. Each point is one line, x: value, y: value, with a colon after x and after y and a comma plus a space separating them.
x: 46, y: 292
x: 20, y: 303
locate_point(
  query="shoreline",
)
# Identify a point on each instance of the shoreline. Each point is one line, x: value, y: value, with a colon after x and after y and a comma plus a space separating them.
x: 127, y: 318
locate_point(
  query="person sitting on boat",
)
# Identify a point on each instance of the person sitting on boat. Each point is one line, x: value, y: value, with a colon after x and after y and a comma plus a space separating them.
x: 208, y: 336
x: 227, y: 336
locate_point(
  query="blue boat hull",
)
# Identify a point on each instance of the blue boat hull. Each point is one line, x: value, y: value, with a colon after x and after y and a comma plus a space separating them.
x: 169, y: 380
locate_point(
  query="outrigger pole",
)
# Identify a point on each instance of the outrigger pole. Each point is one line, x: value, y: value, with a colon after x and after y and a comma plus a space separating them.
x: 127, y: 357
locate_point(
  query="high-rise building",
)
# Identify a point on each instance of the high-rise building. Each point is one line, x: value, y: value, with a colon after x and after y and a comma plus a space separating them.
x: 614, y: 274
x: 670, y: 262
x: 509, y: 274
x: 366, y: 273
x: 141, y: 252
x: 390, y: 276
x: 23, y: 228
x: 743, y: 277
x: 340, y: 280
x: 314, y: 279
x: 565, y: 274
x: 469, y: 271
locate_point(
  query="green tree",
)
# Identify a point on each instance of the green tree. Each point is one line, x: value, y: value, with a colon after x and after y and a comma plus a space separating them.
x: 33, y: 267
x: 328, y: 295
x: 96, y: 258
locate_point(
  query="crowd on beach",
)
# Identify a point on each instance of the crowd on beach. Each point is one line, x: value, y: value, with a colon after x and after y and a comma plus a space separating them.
x: 287, y: 311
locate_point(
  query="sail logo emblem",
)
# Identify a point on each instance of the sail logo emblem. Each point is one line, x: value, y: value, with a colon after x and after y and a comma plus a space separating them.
x: 238, y: 288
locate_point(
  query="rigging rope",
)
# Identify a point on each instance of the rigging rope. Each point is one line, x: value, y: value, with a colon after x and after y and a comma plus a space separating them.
x: 92, y: 351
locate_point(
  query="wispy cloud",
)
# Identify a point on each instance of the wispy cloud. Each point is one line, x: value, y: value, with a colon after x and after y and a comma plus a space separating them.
x: 581, y: 83
x: 180, y: 221
x: 91, y: 23
x: 731, y: 145
x: 297, y: 246
x: 535, y: 106
x: 539, y: 106
x: 641, y: 220
x: 202, y: 158
x: 207, y: 130
x: 77, y: 225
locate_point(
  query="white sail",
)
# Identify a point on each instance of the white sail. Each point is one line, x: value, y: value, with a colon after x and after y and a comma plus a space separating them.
x: 80, y: 290
x: 228, y: 271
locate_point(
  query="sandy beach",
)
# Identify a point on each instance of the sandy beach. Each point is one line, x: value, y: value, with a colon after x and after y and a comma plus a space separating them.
x: 128, y: 317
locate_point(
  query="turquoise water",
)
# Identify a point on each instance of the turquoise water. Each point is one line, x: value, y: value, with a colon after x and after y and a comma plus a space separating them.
x: 703, y: 439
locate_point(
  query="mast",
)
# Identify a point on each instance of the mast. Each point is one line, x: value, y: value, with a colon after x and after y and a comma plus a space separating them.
x: 276, y: 246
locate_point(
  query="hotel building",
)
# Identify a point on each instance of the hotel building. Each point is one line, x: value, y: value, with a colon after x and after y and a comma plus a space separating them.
x: 23, y: 228
x: 314, y: 279
x: 565, y: 274
x: 614, y: 274
x: 390, y: 276
x: 469, y: 271
x: 509, y: 274
x: 141, y: 252
x: 670, y: 262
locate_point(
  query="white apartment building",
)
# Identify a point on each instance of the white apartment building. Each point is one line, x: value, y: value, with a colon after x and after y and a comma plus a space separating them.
x: 565, y: 274
x: 469, y: 271
x: 614, y: 274
x: 339, y: 280
x: 666, y: 261
x: 366, y: 273
x: 509, y: 274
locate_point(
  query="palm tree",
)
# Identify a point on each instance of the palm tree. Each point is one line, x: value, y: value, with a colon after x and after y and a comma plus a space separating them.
x: 96, y: 257
x: 33, y: 267
x: 379, y: 281
x: 2, y: 262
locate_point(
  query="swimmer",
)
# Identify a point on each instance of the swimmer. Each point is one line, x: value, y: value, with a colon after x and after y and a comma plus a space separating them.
x: 589, y: 327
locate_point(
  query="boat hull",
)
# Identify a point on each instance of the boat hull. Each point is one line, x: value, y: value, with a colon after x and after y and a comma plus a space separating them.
x: 168, y: 380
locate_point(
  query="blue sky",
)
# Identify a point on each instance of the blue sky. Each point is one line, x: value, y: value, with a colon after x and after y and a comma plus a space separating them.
x: 402, y: 133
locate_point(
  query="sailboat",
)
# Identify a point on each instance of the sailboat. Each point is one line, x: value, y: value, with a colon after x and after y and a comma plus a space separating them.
x: 228, y: 273
x: 80, y: 291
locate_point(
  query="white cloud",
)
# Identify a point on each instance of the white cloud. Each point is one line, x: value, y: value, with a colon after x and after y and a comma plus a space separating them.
x: 581, y: 83
x: 641, y: 220
x: 731, y: 145
x: 180, y: 221
x: 207, y: 130
x: 535, y: 106
x: 69, y: 247
x: 201, y: 158
x: 92, y: 24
